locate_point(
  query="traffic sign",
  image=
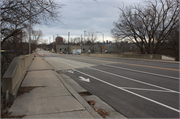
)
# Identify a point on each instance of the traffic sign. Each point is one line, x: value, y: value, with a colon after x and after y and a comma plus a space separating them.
x: 102, y: 47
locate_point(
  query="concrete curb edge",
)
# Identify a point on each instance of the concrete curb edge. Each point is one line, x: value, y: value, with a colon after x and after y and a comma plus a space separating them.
x: 79, y: 98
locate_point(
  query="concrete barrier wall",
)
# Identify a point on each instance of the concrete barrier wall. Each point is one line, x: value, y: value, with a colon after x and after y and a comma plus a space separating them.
x: 141, y: 56
x: 167, y: 58
x: 15, y: 73
x: 103, y: 55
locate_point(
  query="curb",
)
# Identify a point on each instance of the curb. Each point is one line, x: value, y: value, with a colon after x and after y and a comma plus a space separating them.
x: 79, y: 98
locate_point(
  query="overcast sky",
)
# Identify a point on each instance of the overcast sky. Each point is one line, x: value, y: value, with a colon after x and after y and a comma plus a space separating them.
x: 84, y: 15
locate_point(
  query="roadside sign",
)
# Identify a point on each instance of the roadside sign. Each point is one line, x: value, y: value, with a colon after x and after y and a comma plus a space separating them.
x: 2, y: 50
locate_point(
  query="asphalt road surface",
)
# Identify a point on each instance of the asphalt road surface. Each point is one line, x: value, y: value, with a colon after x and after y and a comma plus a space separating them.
x: 136, y: 89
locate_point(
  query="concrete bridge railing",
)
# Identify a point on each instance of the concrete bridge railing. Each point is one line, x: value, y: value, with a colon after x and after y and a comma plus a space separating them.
x: 15, y: 73
x: 141, y: 56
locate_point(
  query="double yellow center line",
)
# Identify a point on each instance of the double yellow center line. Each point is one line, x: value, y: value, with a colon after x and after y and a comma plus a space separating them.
x: 131, y: 64
x: 150, y: 66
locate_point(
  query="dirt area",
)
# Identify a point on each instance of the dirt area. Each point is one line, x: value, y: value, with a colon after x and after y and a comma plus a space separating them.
x: 101, y: 112
x: 6, y: 114
x: 23, y: 90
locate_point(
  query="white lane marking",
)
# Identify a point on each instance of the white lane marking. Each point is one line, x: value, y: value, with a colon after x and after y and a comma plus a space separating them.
x: 84, y: 79
x: 148, y: 89
x: 126, y: 78
x: 70, y: 71
x: 133, y: 79
x: 127, y: 90
x: 131, y: 92
x: 143, y: 72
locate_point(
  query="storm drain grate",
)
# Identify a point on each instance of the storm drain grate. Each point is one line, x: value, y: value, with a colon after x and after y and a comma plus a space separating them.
x: 86, y: 93
x: 60, y: 72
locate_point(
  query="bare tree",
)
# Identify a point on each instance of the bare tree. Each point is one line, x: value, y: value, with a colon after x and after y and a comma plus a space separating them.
x: 171, y: 45
x: 119, y: 46
x: 91, y: 37
x: 99, y: 47
x: 147, y: 26
x: 65, y: 41
x: 16, y: 15
x: 77, y: 40
x: 173, y: 41
x: 36, y: 35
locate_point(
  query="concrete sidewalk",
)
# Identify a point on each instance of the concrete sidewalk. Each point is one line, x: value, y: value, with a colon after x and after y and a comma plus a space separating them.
x: 50, y: 97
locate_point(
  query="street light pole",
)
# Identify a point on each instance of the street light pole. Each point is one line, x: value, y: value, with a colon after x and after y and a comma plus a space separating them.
x: 53, y: 42
x: 84, y: 40
x: 49, y: 41
x: 81, y: 43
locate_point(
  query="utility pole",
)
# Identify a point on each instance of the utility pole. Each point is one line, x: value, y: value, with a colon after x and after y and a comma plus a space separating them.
x: 81, y: 38
x: 56, y: 42
x: 53, y: 42
x: 68, y: 40
x: 41, y: 43
x: 49, y: 41
x: 81, y: 42
x: 93, y: 42
x: 30, y: 29
x: 84, y: 41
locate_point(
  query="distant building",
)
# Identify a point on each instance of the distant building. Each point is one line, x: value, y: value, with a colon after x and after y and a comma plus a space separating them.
x: 96, y: 48
x: 59, y: 40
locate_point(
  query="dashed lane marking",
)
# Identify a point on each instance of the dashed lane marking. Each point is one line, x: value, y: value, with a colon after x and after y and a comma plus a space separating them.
x: 133, y: 79
x: 131, y: 92
x: 126, y: 90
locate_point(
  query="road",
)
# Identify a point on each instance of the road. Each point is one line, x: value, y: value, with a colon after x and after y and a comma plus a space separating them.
x: 136, y: 89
